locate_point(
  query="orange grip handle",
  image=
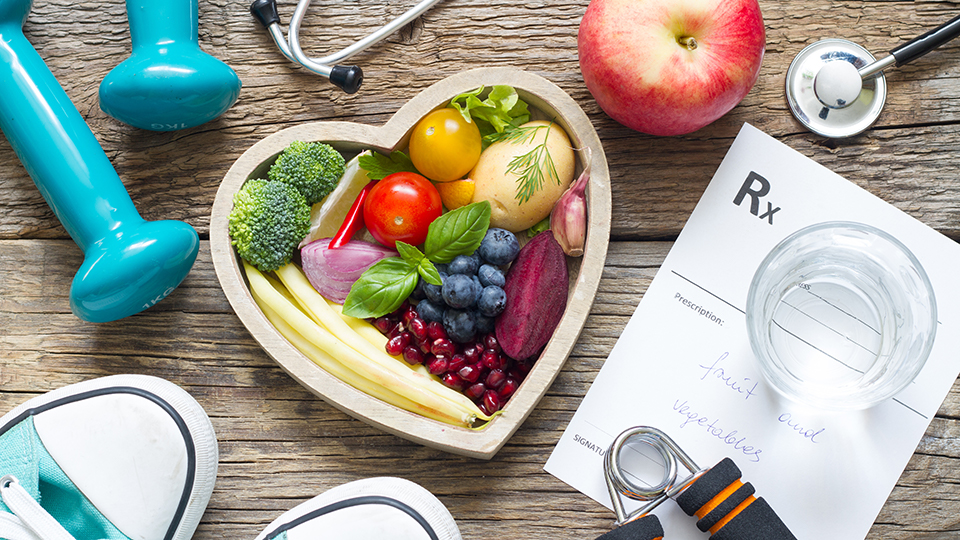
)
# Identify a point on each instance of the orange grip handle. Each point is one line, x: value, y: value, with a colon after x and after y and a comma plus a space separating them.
x: 727, y: 508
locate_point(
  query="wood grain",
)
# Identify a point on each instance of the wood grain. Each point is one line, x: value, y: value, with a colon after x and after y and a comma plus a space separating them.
x: 281, y: 445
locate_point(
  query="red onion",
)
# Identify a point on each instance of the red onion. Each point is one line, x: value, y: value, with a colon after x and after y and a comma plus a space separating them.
x: 333, y: 271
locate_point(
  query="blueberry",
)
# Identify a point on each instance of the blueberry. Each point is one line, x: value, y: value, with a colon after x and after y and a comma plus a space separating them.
x: 464, y: 264
x: 492, y: 301
x: 484, y: 324
x: 434, y: 293
x: 442, y: 268
x: 418, y: 293
x: 491, y: 275
x: 499, y: 247
x: 477, y: 285
x: 459, y: 291
x: 429, y: 311
x: 461, y: 325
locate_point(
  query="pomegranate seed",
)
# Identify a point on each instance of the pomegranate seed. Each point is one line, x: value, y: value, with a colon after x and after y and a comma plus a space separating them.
x: 435, y: 330
x: 469, y: 373
x: 383, y: 324
x: 396, y: 330
x: 438, y: 365
x: 412, y: 355
x: 490, y: 342
x: 443, y: 346
x: 524, y: 367
x: 453, y: 381
x: 418, y: 328
x: 509, y: 387
x: 409, y: 315
x: 483, y: 408
x: 397, y: 344
x: 492, y: 401
x: 472, y: 352
x: 495, y: 379
x: 475, y: 391
x: 491, y: 359
x: 457, y: 361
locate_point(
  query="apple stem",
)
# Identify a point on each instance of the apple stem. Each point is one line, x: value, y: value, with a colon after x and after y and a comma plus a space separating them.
x: 689, y: 42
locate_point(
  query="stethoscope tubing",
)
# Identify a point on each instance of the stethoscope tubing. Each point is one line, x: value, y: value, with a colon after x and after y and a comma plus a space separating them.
x: 322, y: 65
x: 919, y: 46
x: 266, y: 12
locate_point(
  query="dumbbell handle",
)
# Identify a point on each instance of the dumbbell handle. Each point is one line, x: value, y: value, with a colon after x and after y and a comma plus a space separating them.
x: 168, y: 21
x: 727, y: 507
x: 129, y: 263
x: 55, y: 144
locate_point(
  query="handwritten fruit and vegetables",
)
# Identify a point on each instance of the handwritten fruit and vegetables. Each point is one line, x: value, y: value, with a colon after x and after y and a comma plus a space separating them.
x: 425, y: 278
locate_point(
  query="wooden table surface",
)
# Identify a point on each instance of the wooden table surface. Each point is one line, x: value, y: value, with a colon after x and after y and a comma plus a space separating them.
x: 280, y: 445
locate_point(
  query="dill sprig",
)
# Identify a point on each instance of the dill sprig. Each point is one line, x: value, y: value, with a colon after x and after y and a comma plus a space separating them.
x: 532, y: 168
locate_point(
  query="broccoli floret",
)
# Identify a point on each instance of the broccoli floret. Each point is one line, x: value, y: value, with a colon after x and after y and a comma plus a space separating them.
x: 313, y: 168
x: 268, y: 221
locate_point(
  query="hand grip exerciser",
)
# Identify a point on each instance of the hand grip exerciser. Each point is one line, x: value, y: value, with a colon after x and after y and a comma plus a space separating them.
x: 724, y: 506
x: 129, y: 263
x: 167, y: 83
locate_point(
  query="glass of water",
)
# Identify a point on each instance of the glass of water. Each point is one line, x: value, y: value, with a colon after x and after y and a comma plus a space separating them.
x: 841, y: 316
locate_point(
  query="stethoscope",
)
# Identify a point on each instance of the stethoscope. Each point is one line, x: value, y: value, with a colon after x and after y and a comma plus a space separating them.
x: 348, y: 78
x: 836, y: 88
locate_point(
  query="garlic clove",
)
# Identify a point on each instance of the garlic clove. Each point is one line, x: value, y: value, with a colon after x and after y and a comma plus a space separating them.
x: 568, y: 221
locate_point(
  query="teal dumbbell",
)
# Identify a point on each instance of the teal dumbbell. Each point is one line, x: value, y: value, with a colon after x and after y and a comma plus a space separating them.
x: 129, y: 264
x: 167, y: 83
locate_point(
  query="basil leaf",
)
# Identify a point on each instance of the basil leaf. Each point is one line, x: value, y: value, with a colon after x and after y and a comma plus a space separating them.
x: 382, y: 288
x: 458, y: 232
x: 409, y: 253
x: 424, y: 267
x: 429, y: 272
x: 379, y: 166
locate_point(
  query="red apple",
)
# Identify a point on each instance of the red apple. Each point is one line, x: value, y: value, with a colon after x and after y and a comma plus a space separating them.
x: 670, y: 67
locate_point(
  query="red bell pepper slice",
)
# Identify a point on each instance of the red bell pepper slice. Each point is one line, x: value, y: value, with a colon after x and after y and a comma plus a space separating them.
x: 353, y: 222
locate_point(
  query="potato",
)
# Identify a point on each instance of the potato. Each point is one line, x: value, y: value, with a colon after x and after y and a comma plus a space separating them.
x: 494, y: 184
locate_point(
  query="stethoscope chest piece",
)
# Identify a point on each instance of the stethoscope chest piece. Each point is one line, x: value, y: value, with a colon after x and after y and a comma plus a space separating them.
x: 818, y: 96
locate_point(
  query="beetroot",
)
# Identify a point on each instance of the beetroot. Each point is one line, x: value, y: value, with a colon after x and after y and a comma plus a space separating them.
x: 536, y: 287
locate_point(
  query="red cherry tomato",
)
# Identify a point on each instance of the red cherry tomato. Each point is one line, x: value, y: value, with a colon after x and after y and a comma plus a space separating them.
x: 401, y: 207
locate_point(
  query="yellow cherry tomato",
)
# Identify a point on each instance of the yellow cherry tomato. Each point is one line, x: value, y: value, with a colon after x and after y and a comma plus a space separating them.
x: 444, y: 146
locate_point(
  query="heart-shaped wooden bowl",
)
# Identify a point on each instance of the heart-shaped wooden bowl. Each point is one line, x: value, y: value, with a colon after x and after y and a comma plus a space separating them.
x: 549, y: 102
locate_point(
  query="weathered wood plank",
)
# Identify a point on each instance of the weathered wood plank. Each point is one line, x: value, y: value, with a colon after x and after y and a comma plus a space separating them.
x: 908, y: 160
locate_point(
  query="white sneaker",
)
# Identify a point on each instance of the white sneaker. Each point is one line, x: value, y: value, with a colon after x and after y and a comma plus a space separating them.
x: 120, y: 457
x: 373, y: 508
